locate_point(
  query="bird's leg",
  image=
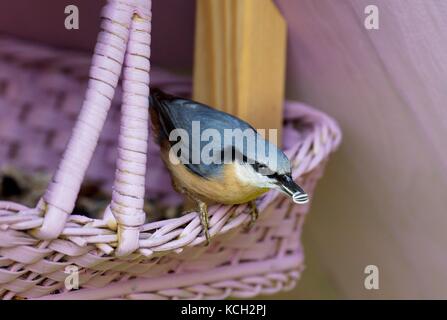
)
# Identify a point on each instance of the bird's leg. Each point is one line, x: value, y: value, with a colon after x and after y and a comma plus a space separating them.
x: 203, y: 211
x: 254, y: 213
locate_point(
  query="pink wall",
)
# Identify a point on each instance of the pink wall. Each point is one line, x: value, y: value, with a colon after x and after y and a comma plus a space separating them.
x: 383, y: 199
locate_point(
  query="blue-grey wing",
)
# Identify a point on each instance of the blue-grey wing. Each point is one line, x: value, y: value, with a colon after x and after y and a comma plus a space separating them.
x: 184, y: 122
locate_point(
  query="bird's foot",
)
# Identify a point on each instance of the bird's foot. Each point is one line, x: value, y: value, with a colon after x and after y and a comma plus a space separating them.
x: 254, y: 213
x: 204, y: 219
x: 203, y: 212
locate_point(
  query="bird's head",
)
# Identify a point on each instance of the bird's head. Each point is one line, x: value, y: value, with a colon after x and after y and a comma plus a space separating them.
x: 271, y: 170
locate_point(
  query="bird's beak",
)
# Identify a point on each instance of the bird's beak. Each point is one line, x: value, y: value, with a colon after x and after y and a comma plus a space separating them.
x: 289, y: 187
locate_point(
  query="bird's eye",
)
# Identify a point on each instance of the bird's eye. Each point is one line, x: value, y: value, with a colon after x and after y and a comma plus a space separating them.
x: 259, y: 166
x: 262, y: 169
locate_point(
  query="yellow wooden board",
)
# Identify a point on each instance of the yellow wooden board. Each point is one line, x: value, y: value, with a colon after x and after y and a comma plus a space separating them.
x: 240, y: 53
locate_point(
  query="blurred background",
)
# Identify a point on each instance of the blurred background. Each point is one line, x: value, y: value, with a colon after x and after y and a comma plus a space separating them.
x: 383, y: 198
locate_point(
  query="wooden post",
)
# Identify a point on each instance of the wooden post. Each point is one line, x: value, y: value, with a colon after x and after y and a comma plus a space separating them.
x: 240, y: 53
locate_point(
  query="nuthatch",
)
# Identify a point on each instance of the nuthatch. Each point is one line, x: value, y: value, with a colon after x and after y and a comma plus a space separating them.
x: 240, y: 178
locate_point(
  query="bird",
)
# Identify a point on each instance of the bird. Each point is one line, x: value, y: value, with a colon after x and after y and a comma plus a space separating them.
x: 237, y: 173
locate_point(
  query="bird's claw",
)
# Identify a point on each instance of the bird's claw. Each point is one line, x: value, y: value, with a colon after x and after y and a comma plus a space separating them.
x: 203, y: 210
x: 254, y: 214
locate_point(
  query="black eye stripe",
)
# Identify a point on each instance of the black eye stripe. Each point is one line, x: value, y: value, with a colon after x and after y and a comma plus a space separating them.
x: 258, y: 166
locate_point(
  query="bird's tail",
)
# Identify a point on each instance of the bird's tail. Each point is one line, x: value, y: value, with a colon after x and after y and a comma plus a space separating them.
x: 155, y: 118
x: 159, y: 113
x: 154, y: 107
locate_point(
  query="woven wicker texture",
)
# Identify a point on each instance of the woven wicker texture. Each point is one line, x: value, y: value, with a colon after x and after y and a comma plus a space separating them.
x: 41, y: 94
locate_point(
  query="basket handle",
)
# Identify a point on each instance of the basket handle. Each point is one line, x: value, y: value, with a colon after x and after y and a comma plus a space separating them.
x: 120, y: 18
x: 129, y: 184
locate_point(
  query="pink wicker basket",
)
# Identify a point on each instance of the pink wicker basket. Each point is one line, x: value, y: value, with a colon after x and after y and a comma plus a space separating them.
x: 44, y: 118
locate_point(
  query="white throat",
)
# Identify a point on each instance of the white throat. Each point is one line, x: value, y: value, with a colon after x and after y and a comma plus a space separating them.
x: 246, y: 174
